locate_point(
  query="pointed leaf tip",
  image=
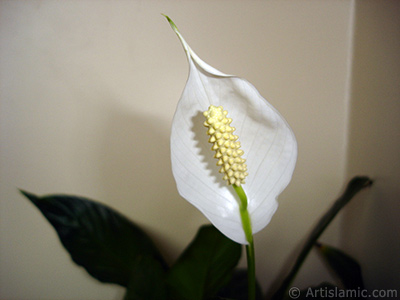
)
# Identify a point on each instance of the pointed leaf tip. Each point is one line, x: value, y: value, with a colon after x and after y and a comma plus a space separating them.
x: 30, y: 196
x: 174, y: 27
x: 98, y: 238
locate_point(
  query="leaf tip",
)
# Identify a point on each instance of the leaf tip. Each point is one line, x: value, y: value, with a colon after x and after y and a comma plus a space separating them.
x: 363, y: 181
x: 32, y: 197
x: 171, y: 23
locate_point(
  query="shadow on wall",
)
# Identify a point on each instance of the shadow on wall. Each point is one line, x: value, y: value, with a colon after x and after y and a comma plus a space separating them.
x: 371, y: 223
x: 137, y: 178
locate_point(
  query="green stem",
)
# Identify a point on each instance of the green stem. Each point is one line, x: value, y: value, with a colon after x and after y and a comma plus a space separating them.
x: 251, y: 269
x: 251, y: 260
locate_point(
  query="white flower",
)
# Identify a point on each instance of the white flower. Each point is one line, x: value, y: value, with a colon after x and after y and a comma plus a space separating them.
x: 268, y: 143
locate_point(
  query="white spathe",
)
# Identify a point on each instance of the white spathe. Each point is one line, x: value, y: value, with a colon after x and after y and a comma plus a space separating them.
x: 268, y: 143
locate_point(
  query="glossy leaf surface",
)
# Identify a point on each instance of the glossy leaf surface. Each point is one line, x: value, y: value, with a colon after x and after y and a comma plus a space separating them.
x: 205, y: 266
x: 97, y: 237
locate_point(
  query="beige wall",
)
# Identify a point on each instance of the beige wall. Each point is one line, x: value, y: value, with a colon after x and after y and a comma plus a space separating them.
x: 370, y: 228
x: 88, y: 91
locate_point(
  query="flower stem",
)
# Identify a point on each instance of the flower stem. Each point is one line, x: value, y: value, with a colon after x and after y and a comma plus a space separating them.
x: 251, y: 270
x: 251, y: 260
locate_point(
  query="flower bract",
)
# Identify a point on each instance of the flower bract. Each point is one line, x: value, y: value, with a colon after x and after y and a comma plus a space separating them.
x: 264, y: 135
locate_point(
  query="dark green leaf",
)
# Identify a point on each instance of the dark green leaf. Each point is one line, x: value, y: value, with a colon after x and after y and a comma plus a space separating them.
x: 147, y: 281
x: 355, y: 185
x: 238, y: 287
x: 346, y: 268
x: 98, y: 238
x: 205, y: 266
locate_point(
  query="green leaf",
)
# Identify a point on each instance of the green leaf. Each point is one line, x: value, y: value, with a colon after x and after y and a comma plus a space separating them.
x: 205, y: 266
x: 97, y: 237
x: 346, y: 267
x: 355, y: 185
x: 147, y: 282
x: 237, y: 288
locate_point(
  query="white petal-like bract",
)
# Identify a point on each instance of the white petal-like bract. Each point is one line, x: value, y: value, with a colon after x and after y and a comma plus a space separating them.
x: 268, y: 143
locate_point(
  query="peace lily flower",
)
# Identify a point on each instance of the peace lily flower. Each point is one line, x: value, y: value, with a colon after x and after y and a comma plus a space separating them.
x: 266, y: 141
